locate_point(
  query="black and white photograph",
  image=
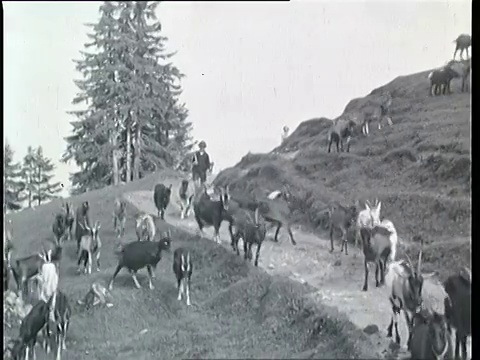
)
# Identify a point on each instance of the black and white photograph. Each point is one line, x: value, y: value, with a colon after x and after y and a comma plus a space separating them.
x: 237, y: 180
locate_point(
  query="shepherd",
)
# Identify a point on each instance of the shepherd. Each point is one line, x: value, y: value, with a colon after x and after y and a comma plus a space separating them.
x: 201, y: 164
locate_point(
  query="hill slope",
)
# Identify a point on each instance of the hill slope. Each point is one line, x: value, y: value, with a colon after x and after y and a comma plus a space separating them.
x: 419, y: 168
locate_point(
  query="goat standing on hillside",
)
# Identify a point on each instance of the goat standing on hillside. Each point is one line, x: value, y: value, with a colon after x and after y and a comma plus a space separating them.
x: 145, y: 227
x: 462, y: 68
x: 48, y: 282
x: 183, y: 268
x: 341, y: 129
x: 463, y: 42
x: 441, y: 79
x: 406, y: 285
x: 81, y: 219
x: 368, y: 218
x: 458, y: 308
x: 90, y: 246
x: 161, y: 198
x: 63, y: 312
x: 69, y: 218
x: 431, y: 338
x: 342, y: 219
x: 185, y: 199
x: 119, y: 216
x: 251, y: 231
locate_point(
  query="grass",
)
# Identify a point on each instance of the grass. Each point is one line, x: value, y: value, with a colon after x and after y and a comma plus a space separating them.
x: 419, y: 168
x: 238, y: 311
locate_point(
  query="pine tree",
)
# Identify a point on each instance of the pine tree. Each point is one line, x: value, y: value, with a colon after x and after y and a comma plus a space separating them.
x: 28, y: 175
x: 12, y: 184
x: 44, y: 189
x: 134, y: 122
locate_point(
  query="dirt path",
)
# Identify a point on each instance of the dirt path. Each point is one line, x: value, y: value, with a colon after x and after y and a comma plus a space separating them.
x: 337, y: 277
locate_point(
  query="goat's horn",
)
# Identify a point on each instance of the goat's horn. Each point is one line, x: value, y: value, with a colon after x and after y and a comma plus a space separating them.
x: 368, y: 203
x: 409, y: 260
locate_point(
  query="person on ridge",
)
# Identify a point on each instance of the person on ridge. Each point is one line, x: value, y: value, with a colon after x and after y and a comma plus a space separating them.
x: 201, y: 164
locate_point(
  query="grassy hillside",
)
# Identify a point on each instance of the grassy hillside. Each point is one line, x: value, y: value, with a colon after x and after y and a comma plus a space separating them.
x: 237, y: 311
x: 419, y: 169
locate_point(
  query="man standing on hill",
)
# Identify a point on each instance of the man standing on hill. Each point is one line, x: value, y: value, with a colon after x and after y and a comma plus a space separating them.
x: 201, y: 163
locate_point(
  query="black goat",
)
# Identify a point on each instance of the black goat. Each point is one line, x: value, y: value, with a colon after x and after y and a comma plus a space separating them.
x: 161, y: 197
x: 183, y: 268
x: 59, y: 228
x: 139, y: 254
x: 440, y: 80
x: 458, y: 308
x: 62, y: 314
x: 211, y: 212
x: 341, y: 129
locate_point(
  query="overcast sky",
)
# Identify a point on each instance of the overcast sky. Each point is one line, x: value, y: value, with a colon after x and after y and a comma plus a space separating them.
x: 251, y: 67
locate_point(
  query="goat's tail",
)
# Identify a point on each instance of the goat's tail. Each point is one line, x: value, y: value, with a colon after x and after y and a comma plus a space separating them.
x: 394, y: 269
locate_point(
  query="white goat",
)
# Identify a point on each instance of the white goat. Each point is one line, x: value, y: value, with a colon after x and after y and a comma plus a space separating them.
x: 368, y: 218
x: 48, y: 282
x: 387, y: 224
x: 145, y: 227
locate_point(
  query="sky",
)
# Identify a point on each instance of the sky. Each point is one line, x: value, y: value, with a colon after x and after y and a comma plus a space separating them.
x: 251, y: 67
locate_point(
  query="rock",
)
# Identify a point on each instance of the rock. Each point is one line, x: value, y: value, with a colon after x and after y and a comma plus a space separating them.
x: 337, y: 263
x: 371, y: 329
x: 271, y: 266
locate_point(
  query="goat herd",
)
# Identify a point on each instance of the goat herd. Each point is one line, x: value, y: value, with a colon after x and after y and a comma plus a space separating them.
x: 343, y: 127
x: 430, y: 333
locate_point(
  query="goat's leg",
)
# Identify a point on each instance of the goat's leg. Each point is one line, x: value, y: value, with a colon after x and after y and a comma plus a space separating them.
x: 365, y: 284
x: 329, y: 145
x: 457, y: 345
x: 117, y: 270
x: 377, y: 266
x: 90, y: 262
x: 187, y: 285
x: 409, y: 327
x: 245, y: 249
x: 179, y: 287
x: 292, y: 240
x: 382, y: 271
x: 216, y: 236
x: 276, y: 232
x: 331, y: 239
x: 257, y: 255
x: 97, y: 256
x: 431, y: 90
x: 250, y: 255
x: 149, y: 271
x: 135, y: 280
x: 343, y: 239
x: 464, y: 344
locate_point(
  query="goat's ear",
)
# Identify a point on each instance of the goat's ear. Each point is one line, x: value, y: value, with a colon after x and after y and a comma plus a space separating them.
x: 367, y: 207
x: 379, y: 205
x: 170, y: 187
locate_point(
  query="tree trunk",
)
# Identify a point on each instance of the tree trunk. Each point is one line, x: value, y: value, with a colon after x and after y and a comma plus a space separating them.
x: 39, y: 190
x: 128, y: 175
x: 115, y: 157
x: 137, y: 154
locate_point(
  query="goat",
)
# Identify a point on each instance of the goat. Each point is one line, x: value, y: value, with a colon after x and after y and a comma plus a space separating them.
x: 48, y: 281
x: 462, y: 68
x: 341, y: 129
x: 145, y: 227
x: 441, y: 78
x: 81, y: 221
x: 182, y: 267
x: 59, y: 227
x: 277, y: 212
x: 251, y: 231
x: 368, y: 217
x: 139, y: 254
x: 31, y: 325
x: 98, y: 294
x: 26, y: 268
x: 185, y: 199
x: 431, y: 338
x: 406, y: 285
x: 63, y: 312
x: 376, y: 249
x: 342, y: 218
x: 212, y: 210
x: 387, y: 224
x: 161, y: 197
x: 69, y: 218
x: 463, y: 42
x: 457, y: 309
x: 90, y: 246
x: 119, y: 217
